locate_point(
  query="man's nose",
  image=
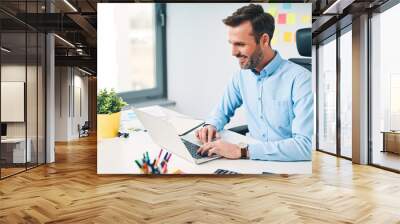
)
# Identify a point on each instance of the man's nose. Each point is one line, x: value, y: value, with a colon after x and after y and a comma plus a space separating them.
x: 235, y: 52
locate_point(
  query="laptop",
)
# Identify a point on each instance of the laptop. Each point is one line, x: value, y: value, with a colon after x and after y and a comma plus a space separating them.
x: 165, y: 135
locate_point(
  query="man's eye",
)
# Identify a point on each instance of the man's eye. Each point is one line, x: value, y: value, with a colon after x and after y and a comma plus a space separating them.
x: 239, y: 44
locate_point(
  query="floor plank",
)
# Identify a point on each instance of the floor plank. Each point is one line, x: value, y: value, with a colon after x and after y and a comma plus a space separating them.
x: 70, y: 191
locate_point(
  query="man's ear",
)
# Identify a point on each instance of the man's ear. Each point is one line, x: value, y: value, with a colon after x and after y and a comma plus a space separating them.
x: 264, y: 40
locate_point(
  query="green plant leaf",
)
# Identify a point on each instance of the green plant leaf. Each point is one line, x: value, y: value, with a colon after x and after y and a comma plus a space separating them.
x: 109, y: 102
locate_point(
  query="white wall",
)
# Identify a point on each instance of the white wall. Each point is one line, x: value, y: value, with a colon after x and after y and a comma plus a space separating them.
x: 66, y: 121
x: 199, y: 57
x: 61, y: 103
x: 81, y: 83
x: 33, y: 126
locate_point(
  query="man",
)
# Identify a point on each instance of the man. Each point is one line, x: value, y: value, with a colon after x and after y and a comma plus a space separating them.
x: 275, y: 93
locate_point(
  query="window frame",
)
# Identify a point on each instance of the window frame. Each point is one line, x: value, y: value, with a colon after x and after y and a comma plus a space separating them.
x: 333, y: 37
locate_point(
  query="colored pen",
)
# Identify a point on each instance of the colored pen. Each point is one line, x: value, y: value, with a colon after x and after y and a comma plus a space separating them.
x: 162, y: 164
x: 148, y: 157
x: 164, y: 169
x: 169, y: 157
x: 144, y: 168
x: 137, y: 162
x: 165, y: 157
x: 158, y: 158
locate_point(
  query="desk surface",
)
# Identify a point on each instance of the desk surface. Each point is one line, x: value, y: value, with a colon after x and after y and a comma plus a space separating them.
x: 391, y: 132
x: 13, y: 140
x: 117, y: 156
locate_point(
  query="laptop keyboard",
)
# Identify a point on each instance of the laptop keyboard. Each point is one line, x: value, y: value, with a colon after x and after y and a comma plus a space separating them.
x: 192, y: 148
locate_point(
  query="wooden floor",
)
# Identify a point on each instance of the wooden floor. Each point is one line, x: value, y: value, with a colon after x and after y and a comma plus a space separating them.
x: 387, y: 159
x: 5, y: 172
x: 70, y: 191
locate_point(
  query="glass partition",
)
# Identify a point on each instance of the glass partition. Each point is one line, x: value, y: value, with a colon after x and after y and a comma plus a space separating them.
x: 13, y: 114
x: 23, y: 89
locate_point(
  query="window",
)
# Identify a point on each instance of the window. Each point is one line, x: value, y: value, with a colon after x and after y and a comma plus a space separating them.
x: 346, y: 92
x: 394, y: 101
x: 131, y: 46
x: 385, y: 89
x: 327, y: 96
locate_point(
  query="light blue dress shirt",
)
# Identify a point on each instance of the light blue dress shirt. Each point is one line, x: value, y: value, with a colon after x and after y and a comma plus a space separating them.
x: 279, y: 108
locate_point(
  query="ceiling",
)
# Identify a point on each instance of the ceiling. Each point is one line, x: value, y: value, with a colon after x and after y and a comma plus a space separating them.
x: 76, y: 22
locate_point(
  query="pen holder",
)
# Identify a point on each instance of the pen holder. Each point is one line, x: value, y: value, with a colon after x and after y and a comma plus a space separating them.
x: 148, y: 169
x: 158, y: 166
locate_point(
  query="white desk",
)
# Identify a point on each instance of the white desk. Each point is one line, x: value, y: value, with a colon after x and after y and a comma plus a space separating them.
x: 19, y: 149
x: 117, y: 156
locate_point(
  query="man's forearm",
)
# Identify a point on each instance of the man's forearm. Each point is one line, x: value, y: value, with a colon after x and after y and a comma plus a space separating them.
x: 298, y: 148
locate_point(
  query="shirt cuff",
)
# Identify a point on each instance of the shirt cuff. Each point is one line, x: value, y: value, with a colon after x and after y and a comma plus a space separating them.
x: 259, y: 151
x: 215, y: 124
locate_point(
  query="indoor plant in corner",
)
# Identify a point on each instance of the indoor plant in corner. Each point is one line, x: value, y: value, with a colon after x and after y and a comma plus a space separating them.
x: 109, y: 106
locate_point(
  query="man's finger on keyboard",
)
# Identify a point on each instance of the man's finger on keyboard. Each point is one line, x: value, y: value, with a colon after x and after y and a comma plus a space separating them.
x: 213, y: 151
x: 201, y: 135
x: 210, y: 135
x: 204, y: 148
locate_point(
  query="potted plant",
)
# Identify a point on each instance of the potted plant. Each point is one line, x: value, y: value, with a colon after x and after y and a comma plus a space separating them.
x: 109, y: 106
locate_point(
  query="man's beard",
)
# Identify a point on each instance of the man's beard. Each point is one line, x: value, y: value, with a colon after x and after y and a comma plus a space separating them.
x: 254, y: 59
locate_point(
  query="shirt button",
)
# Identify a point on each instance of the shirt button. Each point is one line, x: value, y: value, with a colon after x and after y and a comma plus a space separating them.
x: 261, y: 117
x: 263, y: 135
x: 259, y: 98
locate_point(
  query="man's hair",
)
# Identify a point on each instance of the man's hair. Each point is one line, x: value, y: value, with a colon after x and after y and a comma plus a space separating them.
x: 261, y: 21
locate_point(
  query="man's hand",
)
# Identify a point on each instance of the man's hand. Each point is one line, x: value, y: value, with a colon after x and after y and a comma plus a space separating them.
x: 207, y: 133
x: 219, y: 147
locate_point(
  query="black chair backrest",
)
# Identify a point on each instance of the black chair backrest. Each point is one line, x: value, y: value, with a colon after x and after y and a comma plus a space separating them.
x: 86, y: 125
x: 303, y: 42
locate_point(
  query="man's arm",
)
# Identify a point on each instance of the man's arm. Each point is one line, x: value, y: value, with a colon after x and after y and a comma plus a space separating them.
x: 225, y: 109
x: 299, y: 146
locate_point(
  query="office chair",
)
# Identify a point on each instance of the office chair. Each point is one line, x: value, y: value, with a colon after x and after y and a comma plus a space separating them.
x: 84, y: 130
x: 303, y: 43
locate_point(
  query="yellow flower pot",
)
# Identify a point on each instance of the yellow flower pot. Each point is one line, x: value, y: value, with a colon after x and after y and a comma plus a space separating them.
x: 108, y: 125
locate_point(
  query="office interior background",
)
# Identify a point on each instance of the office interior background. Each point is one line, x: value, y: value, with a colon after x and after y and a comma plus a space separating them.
x: 197, y: 56
x: 46, y: 82
x: 49, y: 86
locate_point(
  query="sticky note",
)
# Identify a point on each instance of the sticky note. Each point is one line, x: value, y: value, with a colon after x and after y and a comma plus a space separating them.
x: 288, y: 37
x: 291, y: 18
x: 286, y: 5
x: 306, y: 19
x: 282, y: 18
x: 273, y: 11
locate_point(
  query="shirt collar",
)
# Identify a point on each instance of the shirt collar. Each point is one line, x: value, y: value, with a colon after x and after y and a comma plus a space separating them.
x: 270, y: 68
